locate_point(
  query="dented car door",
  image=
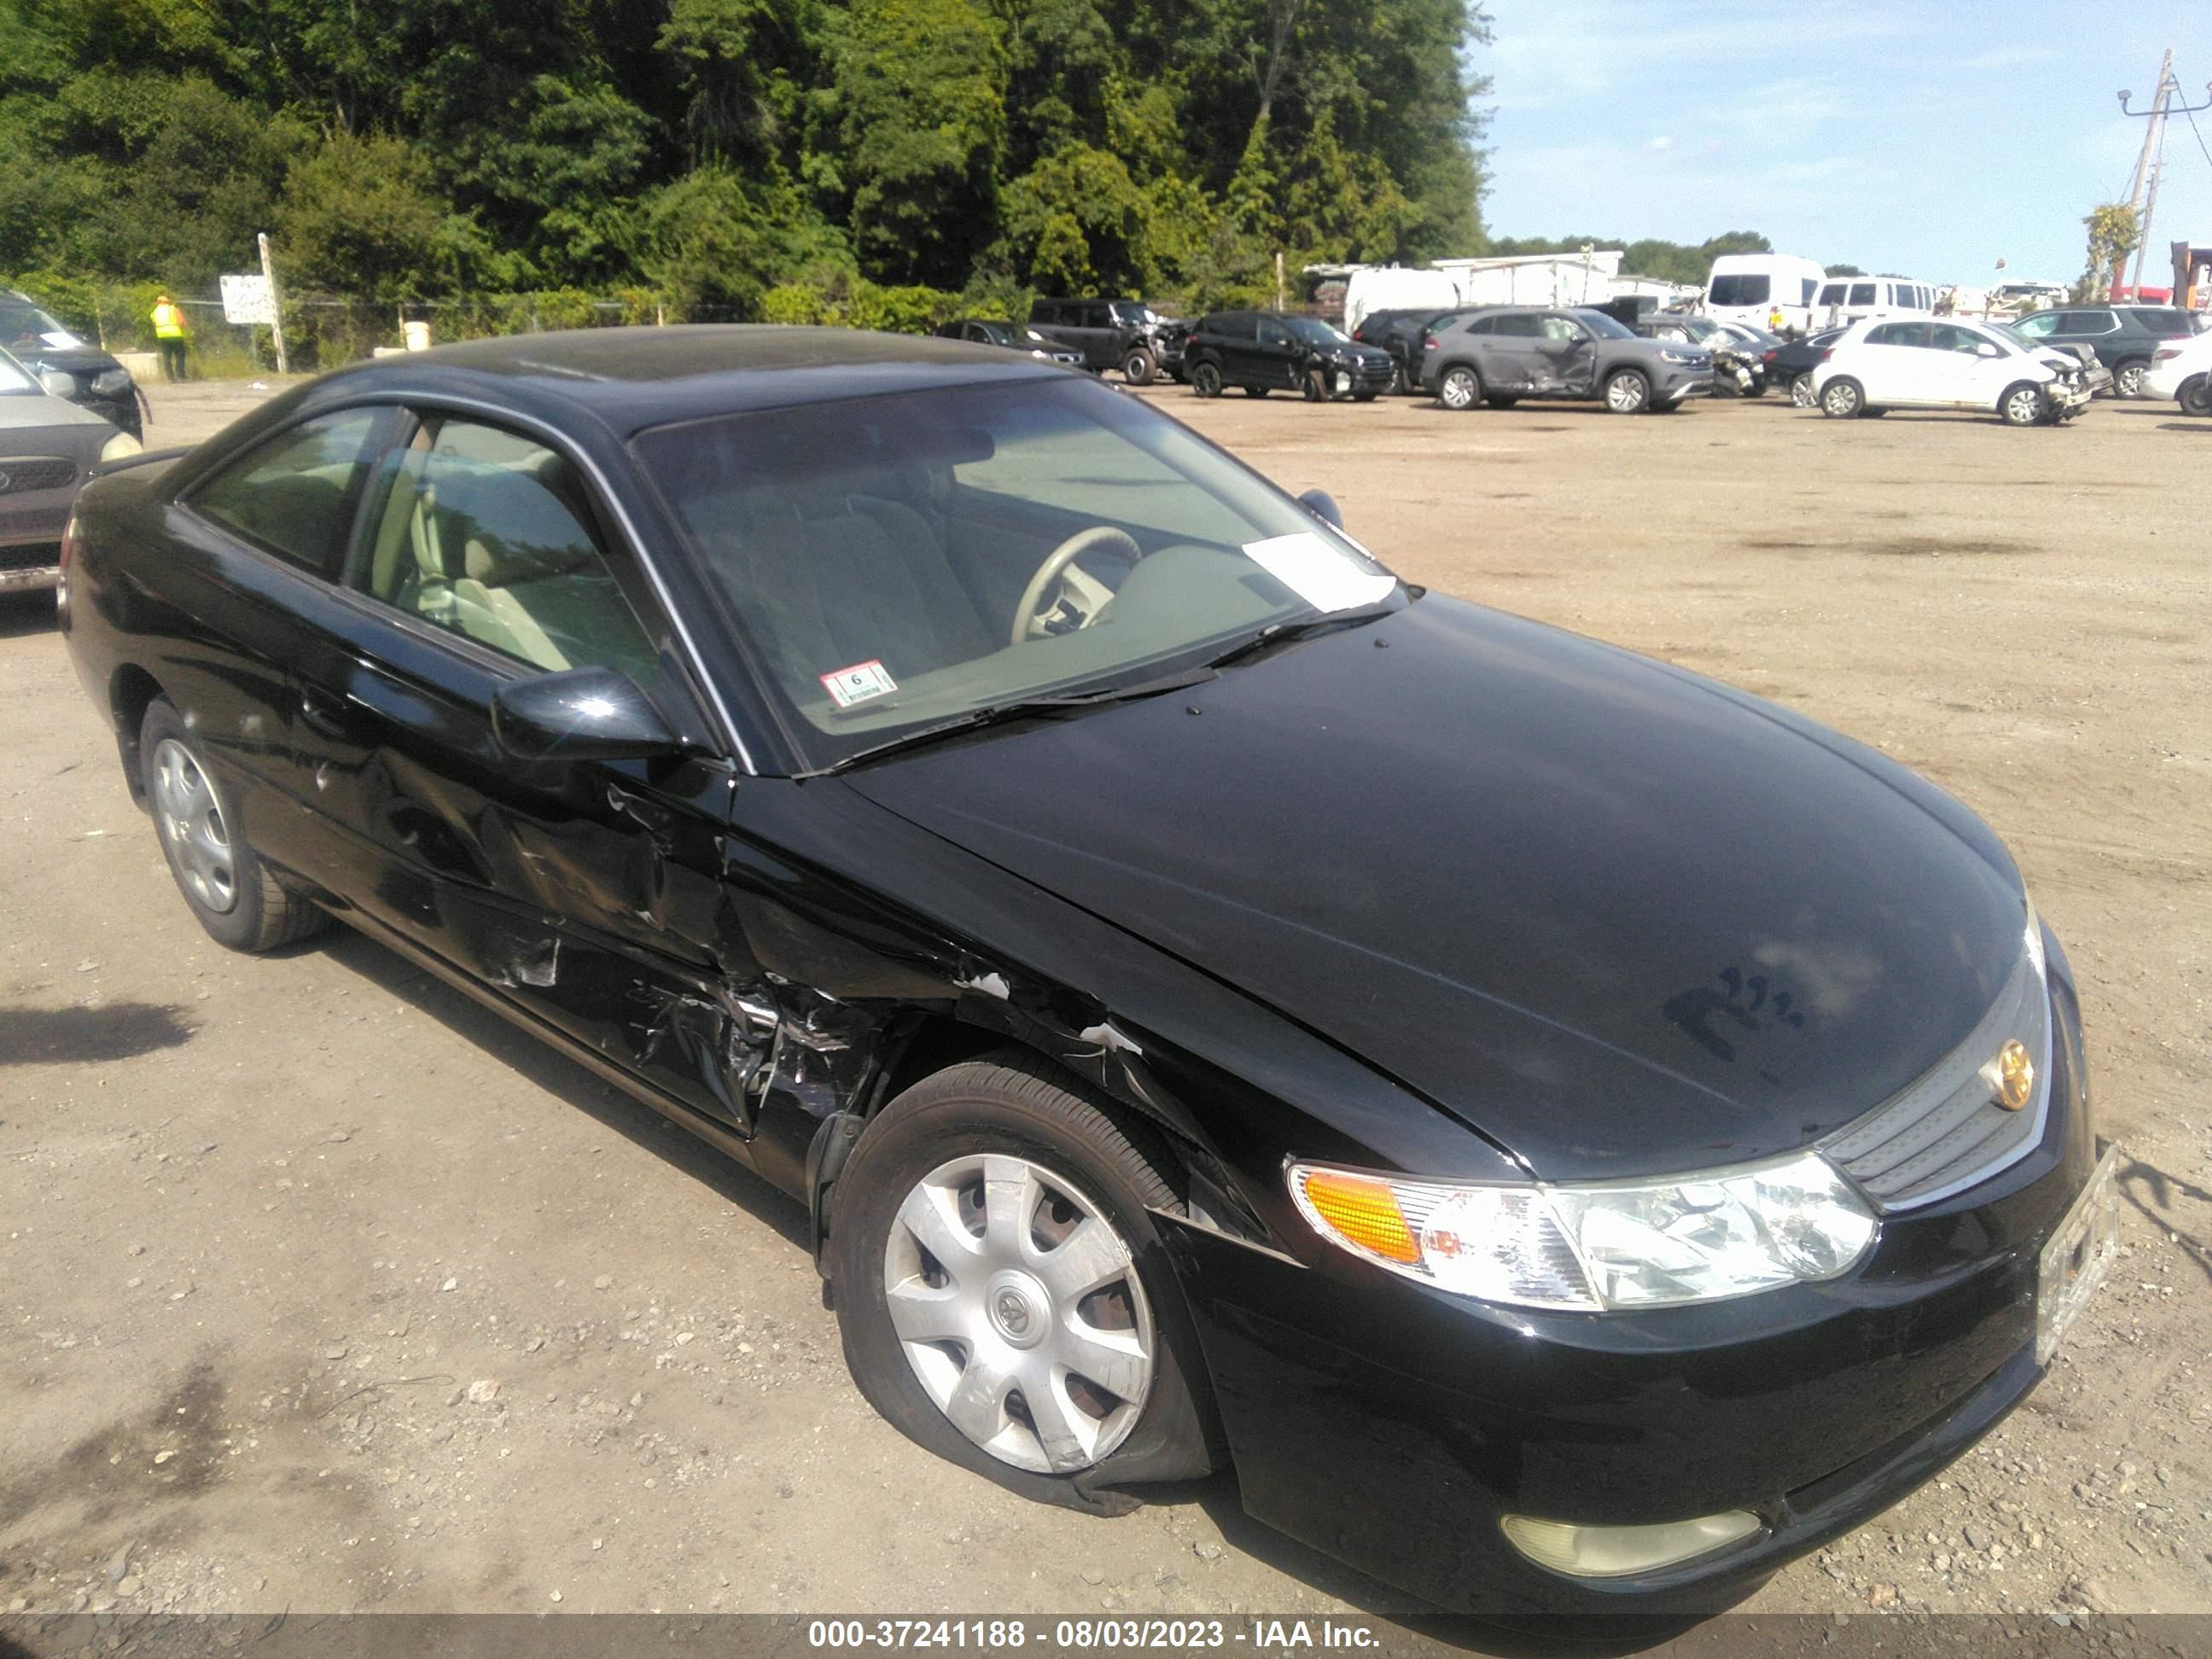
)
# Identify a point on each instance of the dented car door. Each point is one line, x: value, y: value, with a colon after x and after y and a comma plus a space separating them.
x: 586, y: 892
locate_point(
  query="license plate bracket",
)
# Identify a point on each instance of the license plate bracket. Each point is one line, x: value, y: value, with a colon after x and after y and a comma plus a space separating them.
x: 2076, y: 1256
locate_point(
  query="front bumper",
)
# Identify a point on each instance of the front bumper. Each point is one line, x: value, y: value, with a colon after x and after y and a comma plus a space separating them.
x: 1676, y: 388
x: 1394, y: 1427
x: 2069, y: 398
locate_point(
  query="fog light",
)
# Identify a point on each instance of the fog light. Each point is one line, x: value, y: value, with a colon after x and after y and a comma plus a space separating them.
x: 1619, y: 1551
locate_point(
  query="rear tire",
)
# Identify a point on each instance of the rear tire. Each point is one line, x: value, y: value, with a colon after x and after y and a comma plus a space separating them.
x: 937, y: 1163
x: 2195, y: 395
x: 1842, y: 400
x: 1460, y: 388
x: 1801, y: 392
x: 2128, y: 378
x: 229, y: 890
x: 1205, y: 380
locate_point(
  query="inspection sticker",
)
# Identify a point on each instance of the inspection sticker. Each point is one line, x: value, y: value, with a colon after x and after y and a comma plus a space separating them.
x: 1317, y: 573
x: 862, y: 681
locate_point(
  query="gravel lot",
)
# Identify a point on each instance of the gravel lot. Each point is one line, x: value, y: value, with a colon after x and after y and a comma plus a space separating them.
x: 321, y: 1288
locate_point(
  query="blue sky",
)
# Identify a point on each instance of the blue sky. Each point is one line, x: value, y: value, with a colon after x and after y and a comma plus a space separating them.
x: 1896, y: 135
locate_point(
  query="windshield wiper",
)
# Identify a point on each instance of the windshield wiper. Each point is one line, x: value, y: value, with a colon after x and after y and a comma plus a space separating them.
x: 1282, y: 633
x: 998, y: 713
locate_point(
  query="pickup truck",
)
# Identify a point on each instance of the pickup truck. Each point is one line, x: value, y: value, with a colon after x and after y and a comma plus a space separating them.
x: 1123, y: 334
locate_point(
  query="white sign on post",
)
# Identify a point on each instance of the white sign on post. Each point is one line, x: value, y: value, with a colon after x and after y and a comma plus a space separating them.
x: 246, y: 301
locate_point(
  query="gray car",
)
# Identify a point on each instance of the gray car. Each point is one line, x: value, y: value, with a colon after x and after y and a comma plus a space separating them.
x: 1502, y: 355
x: 47, y: 446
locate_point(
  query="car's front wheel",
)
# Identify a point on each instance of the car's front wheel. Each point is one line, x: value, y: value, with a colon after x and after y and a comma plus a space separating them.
x: 231, y: 892
x: 1801, y: 392
x: 2023, y: 405
x: 1841, y: 399
x: 1627, y: 392
x: 1205, y: 380
x: 1140, y: 367
x: 2195, y: 395
x: 1002, y: 1288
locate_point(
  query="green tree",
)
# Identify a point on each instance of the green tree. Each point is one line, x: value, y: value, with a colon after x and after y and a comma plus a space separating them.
x: 2115, y: 232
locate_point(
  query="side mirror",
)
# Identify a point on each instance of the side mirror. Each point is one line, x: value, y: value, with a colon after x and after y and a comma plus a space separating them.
x: 1322, y: 506
x: 582, y: 714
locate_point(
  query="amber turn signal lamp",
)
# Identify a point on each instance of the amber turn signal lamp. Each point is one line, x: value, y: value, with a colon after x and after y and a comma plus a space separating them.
x: 1365, y: 1211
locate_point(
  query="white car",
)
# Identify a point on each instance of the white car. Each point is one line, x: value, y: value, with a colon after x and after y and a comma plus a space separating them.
x: 2182, y: 370
x: 1948, y: 364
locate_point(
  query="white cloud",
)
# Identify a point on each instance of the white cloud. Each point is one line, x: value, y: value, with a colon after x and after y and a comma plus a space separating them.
x: 1663, y: 142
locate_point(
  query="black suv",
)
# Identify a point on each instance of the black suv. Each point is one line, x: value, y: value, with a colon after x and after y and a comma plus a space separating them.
x: 1400, y: 332
x: 1264, y: 351
x: 1121, y: 334
x: 66, y: 366
x: 2124, y: 337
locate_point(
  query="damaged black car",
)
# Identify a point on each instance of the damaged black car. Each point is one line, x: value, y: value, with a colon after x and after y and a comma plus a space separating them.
x: 1565, y: 1133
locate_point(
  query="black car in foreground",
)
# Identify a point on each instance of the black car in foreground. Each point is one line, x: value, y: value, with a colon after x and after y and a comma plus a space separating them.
x: 1503, y: 354
x: 68, y: 367
x: 1584, y: 1168
x: 1264, y: 351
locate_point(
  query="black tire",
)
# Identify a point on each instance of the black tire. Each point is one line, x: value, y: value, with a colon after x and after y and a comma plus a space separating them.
x: 1013, y: 1103
x: 2023, y: 404
x: 1401, y: 384
x: 2128, y: 377
x: 1257, y: 391
x: 1870, y: 413
x: 261, y: 913
x: 1627, y: 392
x: 1497, y: 402
x: 1363, y: 397
x: 2194, y: 395
x: 1842, y: 398
x: 1801, y: 392
x: 1139, y: 367
x: 1460, y: 388
x: 1206, y: 380
x: 1315, y: 386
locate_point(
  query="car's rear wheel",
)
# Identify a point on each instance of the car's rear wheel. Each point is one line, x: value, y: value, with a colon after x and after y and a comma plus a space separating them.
x: 1801, y: 392
x: 1400, y: 382
x: 1627, y: 392
x: 232, y: 893
x: 2128, y: 378
x: 1205, y: 380
x: 1842, y: 400
x: 1140, y: 367
x: 1461, y: 387
x: 2195, y: 395
x: 2023, y: 404
x: 1002, y: 1289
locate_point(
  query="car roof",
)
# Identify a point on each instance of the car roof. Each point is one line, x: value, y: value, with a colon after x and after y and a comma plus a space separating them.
x: 636, y: 378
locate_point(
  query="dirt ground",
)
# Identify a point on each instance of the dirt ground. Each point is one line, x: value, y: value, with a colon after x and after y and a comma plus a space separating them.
x: 321, y: 1288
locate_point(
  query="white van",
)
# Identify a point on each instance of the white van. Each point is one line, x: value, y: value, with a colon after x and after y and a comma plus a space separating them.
x: 1749, y: 288
x: 1848, y: 299
x: 1387, y: 287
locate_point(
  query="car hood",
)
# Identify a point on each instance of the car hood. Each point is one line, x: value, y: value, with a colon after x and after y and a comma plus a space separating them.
x: 1620, y: 920
x: 76, y: 360
x: 20, y: 411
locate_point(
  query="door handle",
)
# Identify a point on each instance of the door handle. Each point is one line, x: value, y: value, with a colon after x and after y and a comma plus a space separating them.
x: 321, y: 714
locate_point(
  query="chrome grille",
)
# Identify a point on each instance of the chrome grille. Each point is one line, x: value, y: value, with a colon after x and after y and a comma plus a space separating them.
x: 35, y: 472
x: 1946, y: 1131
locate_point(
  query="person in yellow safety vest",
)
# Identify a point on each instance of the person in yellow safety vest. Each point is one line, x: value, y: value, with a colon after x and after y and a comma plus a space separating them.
x: 1775, y: 319
x: 170, y: 331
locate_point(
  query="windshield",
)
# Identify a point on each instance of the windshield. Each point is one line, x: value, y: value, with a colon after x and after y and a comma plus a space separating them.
x: 900, y: 560
x: 22, y: 324
x: 2012, y: 336
x: 996, y: 333
x: 1604, y: 327
x: 1314, y: 332
x: 1742, y: 289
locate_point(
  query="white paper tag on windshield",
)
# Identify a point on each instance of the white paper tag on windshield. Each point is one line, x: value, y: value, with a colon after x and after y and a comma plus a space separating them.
x: 862, y: 681
x: 1317, y: 573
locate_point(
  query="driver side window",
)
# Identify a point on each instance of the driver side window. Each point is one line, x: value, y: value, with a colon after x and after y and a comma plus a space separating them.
x: 1273, y: 333
x: 489, y: 536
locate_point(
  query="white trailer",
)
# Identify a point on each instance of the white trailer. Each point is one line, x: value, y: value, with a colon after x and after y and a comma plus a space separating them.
x: 1370, y: 289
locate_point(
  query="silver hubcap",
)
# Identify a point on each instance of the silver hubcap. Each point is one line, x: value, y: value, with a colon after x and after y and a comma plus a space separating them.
x: 1458, y: 389
x: 1020, y: 1310
x: 1801, y: 392
x: 1841, y: 400
x: 2024, y: 407
x: 1625, y: 394
x: 192, y: 828
x: 2131, y: 381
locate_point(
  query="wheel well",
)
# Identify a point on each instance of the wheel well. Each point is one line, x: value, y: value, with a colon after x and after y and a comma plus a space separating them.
x: 131, y: 694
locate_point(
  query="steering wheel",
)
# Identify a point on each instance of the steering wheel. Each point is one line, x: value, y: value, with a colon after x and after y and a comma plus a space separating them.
x: 1028, y: 625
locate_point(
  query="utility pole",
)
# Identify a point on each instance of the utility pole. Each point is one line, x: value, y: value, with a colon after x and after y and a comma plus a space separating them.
x: 2151, y: 161
x: 276, y: 308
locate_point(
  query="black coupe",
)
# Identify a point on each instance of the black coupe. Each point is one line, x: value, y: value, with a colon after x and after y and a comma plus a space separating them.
x: 1569, y: 1133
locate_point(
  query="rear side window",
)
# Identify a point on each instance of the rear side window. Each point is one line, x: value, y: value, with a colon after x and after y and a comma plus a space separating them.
x: 1833, y: 293
x: 2077, y: 323
x: 294, y: 495
x: 1741, y: 290
x: 1234, y: 325
x: 1810, y: 286
x: 1481, y: 325
x: 1521, y: 327
x: 1862, y: 293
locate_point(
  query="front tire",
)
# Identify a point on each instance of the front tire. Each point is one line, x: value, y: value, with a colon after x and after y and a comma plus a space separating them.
x: 229, y: 890
x: 1461, y: 389
x: 2023, y: 405
x: 1205, y: 380
x: 1315, y: 386
x: 1627, y: 392
x: 1140, y: 367
x: 1842, y: 400
x: 1004, y: 1293
x: 2195, y: 395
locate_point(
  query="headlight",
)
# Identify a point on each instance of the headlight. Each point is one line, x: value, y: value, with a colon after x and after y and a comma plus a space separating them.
x: 1677, y: 358
x: 119, y: 445
x: 1602, y: 1245
x: 111, y: 381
